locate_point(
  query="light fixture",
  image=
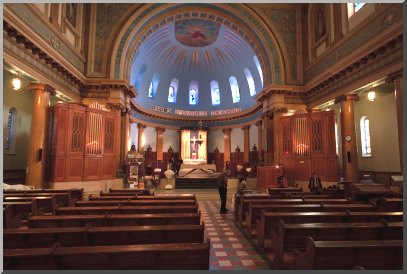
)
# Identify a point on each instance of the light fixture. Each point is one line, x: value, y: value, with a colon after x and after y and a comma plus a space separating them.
x: 371, y: 95
x: 16, y: 82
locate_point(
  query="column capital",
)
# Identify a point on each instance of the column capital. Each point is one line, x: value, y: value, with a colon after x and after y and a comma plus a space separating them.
x: 347, y: 97
x: 141, y: 125
x: 398, y: 75
x: 246, y: 127
x: 259, y: 123
x: 226, y: 130
x: 279, y: 110
x: 160, y: 129
x: 41, y: 86
x: 116, y: 107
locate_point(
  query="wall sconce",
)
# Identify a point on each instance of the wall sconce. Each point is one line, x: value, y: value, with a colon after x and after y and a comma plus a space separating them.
x: 371, y: 95
x: 16, y: 82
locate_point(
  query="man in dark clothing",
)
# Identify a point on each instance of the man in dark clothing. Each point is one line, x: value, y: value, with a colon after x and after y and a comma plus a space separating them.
x: 314, y: 184
x: 222, y: 187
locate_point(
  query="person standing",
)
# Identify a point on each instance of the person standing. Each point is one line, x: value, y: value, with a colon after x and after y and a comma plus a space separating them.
x: 282, y: 181
x: 314, y: 184
x: 222, y: 187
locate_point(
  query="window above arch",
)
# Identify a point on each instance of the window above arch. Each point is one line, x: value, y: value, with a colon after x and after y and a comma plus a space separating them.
x: 215, y: 94
x: 365, y: 136
x: 256, y: 61
x: 250, y: 81
x: 234, y: 87
x: 193, y: 93
x: 172, y: 91
x: 153, y: 85
x: 140, y: 76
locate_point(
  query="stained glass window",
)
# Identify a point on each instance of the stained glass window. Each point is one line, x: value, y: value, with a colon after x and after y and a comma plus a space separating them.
x: 193, y: 93
x: 365, y: 136
x: 234, y: 87
x: 215, y: 93
x: 250, y: 81
x: 172, y: 91
x: 11, y: 134
x: 256, y: 61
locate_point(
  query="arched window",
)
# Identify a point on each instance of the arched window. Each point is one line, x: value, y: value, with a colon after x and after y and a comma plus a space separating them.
x: 234, y: 87
x: 10, y: 142
x: 250, y: 81
x: 193, y: 93
x: 172, y: 91
x: 215, y: 93
x: 153, y: 85
x: 256, y: 61
x: 354, y: 8
x: 365, y: 136
x: 140, y: 76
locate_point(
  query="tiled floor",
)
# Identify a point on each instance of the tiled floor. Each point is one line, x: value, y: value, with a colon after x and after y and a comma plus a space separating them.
x: 230, y: 250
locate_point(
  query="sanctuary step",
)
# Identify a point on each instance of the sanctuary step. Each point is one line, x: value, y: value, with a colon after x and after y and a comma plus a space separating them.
x: 196, y: 178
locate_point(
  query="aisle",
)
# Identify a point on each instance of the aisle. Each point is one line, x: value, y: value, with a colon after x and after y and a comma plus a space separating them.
x: 230, y: 250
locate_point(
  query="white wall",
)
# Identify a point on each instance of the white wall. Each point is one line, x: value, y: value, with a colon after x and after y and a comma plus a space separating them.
x: 236, y: 139
x: 171, y: 138
x: 253, y: 137
x: 150, y: 138
x: 382, y: 116
x: 22, y: 101
x: 134, y: 135
x: 215, y: 139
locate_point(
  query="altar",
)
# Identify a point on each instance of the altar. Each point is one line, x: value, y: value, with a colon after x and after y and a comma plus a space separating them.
x: 194, y: 145
x: 198, y: 166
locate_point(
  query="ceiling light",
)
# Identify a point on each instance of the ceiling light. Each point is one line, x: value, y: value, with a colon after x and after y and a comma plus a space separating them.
x: 16, y: 82
x: 371, y: 95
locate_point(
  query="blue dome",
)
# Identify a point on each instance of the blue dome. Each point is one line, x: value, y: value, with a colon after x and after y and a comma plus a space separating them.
x: 196, y: 67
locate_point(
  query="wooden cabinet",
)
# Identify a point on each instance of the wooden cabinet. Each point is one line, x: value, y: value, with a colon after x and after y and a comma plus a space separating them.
x: 81, y: 143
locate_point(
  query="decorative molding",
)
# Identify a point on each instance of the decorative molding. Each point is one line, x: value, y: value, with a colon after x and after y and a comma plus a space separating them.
x: 161, y: 109
x: 348, y: 97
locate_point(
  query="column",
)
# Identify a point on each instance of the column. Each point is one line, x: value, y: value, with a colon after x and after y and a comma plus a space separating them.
x: 37, y: 147
x: 398, y: 81
x: 259, y: 125
x: 277, y: 113
x: 246, y: 148
x: 125, y: 135
x: 268, y: 137
x: 226, y: 140
x: 117, y: 108
x: 159, y: 141
x: 349, y: 151
x: 140, y: 144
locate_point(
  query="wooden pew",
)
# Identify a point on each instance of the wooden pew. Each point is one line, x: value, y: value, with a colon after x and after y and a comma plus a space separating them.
x: 134, y: 197
x: 185, y: 196
x: 390, y: 204
x: 23, y: 208
x: 372, y: 254
x: 62, y: 199
x: 75, y: 193
x: 132, y: 257
x: 137, y: 191
x: 90, y: 236
x: 44, y: 203
x: 274, y: 190
x: 334, y: 192
x: 9, y: 219
x: 308, y: 195
x: 292, y: 236
x: 255, y: 211
x: 113, y: 220
x: 110, y: 198
x: 136, y: 202
x: 81, y: 210
x: 269, y: 220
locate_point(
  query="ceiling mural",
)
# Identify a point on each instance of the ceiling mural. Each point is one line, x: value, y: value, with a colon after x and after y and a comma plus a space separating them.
x: 196, y: 32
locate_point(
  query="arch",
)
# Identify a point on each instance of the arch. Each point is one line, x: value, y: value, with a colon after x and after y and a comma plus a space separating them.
x: 252, y: 29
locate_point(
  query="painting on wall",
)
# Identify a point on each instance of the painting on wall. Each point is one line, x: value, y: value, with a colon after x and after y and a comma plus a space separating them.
x: 196, y: 32
x: 71, y: 10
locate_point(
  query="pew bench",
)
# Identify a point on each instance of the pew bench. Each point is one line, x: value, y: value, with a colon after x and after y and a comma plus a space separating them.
x: 132, y: 257
x: 371, y: 254
x: 44, y: 203
x: 9, y: 219
x: 390, y: 204
x: 292, y: 236
x: 23, y: 208
x: 110, y: 198
x: 274, y: 190
x: 137, y: 191
x: 91, y: 236
x: 62, y: 199
x: 113, y: 220
x: 136, y: 202
x: 75, y: 193
x: 268, y: 222
x: 82, y: 210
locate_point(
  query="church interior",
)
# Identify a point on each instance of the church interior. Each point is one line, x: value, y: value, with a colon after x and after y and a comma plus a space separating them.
x: 210, y: 136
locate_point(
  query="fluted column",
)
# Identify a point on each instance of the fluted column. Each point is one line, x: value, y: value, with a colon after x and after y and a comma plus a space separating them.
x: 349, y: 151
x: 226, y: 140
x: 141, y: 128
x: 398, y: 81
x: 277, y: 113
x: 37, y: 148
x: 259, y: 125
x: 159, y: 141
x: 246, y: 148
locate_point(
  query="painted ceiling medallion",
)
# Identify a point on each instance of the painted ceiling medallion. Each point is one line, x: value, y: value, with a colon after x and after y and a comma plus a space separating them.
x: 196, y: 32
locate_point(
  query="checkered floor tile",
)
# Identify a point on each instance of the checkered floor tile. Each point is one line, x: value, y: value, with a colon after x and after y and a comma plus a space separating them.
x: 230, y: 250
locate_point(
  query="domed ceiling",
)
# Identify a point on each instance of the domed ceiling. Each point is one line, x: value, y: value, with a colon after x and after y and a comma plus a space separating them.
x: 196, y: 68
